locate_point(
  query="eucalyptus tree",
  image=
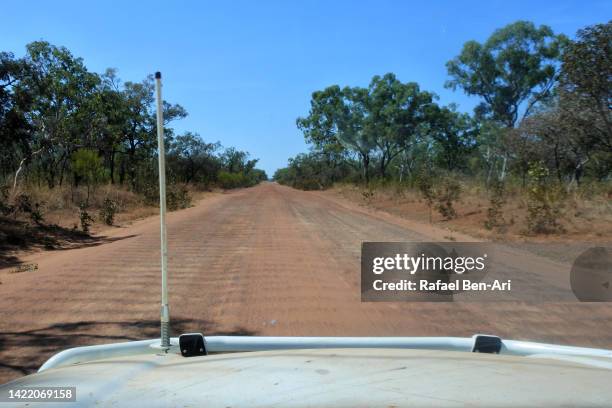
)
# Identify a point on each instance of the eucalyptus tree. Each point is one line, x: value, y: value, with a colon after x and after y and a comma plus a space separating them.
x: 320, y: 127
x: 14, y: 103
x: 60, y: 86
x: 586, y: 85
x: 454, y: 134
x: 513, y: 71
x: 337, y: 118
x: 192, y: 159
x: 395, y: 111
x: 138, y: 133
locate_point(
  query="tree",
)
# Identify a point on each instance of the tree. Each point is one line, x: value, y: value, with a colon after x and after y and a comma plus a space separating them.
x: 338, y: 115
x: 15, y: 101
x: 87, y: 167
x: 192, y: 159
x: 394, y: 112
x: 518, y: 65
x: 110, y: 106
x: 60, y: 86
x: 586, y: 85
x: 454, y: 134
x: 310, y: 171
x: 139, y: 127
x: 513, y: 71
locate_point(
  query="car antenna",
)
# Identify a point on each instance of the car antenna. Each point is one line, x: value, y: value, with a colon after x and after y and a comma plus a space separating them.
x: 165, y: 310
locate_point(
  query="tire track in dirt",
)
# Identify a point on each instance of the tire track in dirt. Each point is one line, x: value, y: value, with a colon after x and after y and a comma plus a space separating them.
x: 266, y: 260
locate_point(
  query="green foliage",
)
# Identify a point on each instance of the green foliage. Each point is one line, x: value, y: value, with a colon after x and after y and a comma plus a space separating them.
x: 87, y: 166
x: 454, y: 135
x: 518, y: 64
x: 108, y: 211
x: 545, y: 202
x: 543, y: 99
x: 229, y: 180
x: 587, y: 68
x: 58, y: 119
x: 192, y: 160
x: 394, y: 113
x: 382, y: 118
x: 586, y: 91
x: 313, y: 171
x: 338, y: 115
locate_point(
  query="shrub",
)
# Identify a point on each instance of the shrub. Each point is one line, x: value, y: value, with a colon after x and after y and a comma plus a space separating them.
x: 231, y: 180
x: 85, y: 218
x: 425, y: 185
x: 178, y: 197
x: 88, y: 167
x: 36, y: 215
x: 108, y: 210
x: 495, y: 217
x: 150, y: 192
x: 24, y: 205
x: 5, y: 207
x: 368, y: 195
x: 545, y: 202
x: 446, y: 195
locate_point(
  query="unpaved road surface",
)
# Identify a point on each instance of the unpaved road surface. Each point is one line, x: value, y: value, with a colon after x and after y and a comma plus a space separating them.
x: 267, y: 260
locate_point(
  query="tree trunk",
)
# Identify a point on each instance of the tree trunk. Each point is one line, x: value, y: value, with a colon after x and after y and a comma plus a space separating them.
x: 366, y: 167
x: 63, y: 168
x: 111, y: 164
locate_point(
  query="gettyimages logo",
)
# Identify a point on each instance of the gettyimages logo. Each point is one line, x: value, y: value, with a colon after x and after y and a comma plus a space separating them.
x: 482, y: 272
x: 428, y: 272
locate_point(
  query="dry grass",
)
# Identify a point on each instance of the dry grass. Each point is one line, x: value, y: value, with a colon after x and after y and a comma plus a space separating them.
x: 586, y: 214
x: 60, y: 206
x: 61, y: 227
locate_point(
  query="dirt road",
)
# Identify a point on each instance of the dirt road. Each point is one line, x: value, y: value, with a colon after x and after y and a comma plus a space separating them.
x: 267, y: 260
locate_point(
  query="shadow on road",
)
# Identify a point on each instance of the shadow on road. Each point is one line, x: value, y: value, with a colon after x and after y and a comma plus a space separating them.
x: 17, y: 235
x: 23, y: 352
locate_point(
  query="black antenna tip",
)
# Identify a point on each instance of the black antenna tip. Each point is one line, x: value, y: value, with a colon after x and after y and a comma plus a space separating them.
x: 158, y: 75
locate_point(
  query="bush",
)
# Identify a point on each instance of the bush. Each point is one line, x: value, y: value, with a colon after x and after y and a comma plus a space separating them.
x: 368, y: 196
x: 36, y: 215
x: 178, y: 197
x: 150, y: 192
x: 425, y: 185
x: 231, y: 180
x: 108, y: 210
x: 85, y: 218
x: 447, y: 194
x: 545, y: 202
x: 5, y: 207
x: 24, y: 205
x: 88, y: 167
x: 495, y: 217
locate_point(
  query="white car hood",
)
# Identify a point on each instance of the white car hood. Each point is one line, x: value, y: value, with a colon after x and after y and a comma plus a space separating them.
x: 334, y: 378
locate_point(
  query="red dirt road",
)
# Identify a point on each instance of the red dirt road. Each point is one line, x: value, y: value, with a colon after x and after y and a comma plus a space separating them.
x: 267, y: 260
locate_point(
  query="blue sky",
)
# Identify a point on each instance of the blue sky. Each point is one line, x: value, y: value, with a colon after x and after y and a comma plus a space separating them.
x: 245, y: 70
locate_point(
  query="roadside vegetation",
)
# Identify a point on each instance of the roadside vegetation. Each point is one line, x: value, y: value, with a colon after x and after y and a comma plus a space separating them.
x: 534, y: 158
x: 78, y: 148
